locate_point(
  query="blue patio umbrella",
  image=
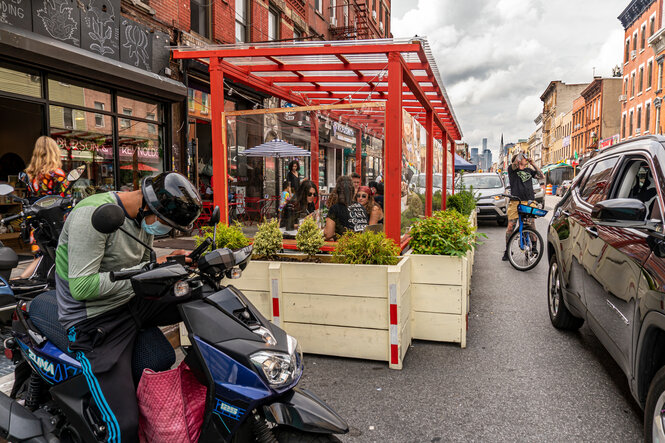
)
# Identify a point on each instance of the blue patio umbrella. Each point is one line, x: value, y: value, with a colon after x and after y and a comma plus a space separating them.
x: 463, y: 165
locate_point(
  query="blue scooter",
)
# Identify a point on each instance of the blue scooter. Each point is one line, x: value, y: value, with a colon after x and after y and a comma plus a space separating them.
x: 251, y: 368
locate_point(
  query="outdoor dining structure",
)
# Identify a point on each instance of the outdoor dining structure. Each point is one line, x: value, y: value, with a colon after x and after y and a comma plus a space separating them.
x: 371, y: 86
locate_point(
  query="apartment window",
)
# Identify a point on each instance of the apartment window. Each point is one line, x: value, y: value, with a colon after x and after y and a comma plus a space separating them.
x: 374, y: 9
x: 638, y: 125
x: 660, y: 75
x: 649, y: 74
x: 333, y: 12
x: 652, y: 26
x: 318, y: 4
x: 200, y: 17
x: 641, y: 81
x: 623, y: 127
x: 99, y: 118
x: 124, y: 123
x: 346, y: 12
x: 635, y: 41
x: 632, y: 84
x: 297, y: 34
x: 625, y: 86
x: 647, y: 117
x: 627, y: 54
x: 643, y: 39
x: 630, y: 123
x: 241, y: 21
x: 273, y: 25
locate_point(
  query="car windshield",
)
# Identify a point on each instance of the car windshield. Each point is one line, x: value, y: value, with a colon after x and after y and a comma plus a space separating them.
x: 437, y: 180
x: 481, y: 181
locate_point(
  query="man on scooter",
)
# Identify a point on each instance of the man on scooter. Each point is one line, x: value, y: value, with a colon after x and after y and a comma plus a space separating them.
x: 102, y: 317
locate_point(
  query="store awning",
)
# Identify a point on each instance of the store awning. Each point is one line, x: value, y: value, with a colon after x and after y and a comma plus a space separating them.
x: 552, y: 166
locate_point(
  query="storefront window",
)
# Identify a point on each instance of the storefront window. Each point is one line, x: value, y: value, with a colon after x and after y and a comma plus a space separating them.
x: 83, y: 142
x: 20, y: 82
x: 141, y: 153
x: 141, y: 108
x: 78, y: 95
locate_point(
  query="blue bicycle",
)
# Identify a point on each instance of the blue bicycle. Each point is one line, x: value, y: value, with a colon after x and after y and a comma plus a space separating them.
x: 525, y: 246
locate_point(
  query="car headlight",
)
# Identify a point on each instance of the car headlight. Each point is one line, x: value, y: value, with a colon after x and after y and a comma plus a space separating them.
x: 280, y: 369
x: 497, y: 197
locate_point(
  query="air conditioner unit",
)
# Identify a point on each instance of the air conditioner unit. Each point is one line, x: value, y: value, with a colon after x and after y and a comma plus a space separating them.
x: 623, y: 97
x: 637, y: 131
x: 333, y: 21
x: 633, y: 54
x: 374, y: 17
x: 381, y: 26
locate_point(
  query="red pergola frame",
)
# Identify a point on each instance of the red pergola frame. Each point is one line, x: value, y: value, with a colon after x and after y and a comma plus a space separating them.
x: 325, y: 73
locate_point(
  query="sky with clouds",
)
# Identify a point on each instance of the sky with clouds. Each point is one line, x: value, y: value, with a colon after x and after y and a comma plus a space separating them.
x: 497, y: 57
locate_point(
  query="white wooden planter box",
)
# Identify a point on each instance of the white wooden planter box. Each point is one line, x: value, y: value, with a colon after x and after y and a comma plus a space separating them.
x: 440, y: 292
x: 359, y: 311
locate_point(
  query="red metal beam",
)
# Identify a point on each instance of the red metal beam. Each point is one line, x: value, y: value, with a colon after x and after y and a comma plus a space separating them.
x: 359, y: 152
x: 296, y: 51
x: 314, y: 150
x: 327, y: 79
x: 429, y: 163
x: 393, y: 149
x: 327, y: 67
x: 444, y: 190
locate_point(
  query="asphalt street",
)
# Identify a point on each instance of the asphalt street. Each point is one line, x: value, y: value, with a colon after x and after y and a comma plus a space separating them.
x: 519, y: 379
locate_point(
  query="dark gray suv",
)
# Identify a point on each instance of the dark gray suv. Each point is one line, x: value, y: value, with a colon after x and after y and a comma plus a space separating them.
x: 606, y: 252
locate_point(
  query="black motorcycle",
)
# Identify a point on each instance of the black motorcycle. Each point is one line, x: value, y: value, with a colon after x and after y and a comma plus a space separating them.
x: 251, y: 368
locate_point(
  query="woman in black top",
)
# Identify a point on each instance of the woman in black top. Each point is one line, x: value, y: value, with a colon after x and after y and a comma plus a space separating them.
x: 293, y: 176
x: 300, y: 205
x: 344, y: 214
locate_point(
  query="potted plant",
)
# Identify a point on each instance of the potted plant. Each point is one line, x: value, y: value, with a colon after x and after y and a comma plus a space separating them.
x: 309, y: 237
x: 441, y: 247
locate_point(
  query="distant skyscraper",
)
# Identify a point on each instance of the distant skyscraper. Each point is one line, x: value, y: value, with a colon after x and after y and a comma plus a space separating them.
x: 474, y: 156
x: 487, y: 156
x: 484, y: 144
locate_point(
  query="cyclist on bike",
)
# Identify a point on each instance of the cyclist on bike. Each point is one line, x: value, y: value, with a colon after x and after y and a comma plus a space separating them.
x: 520, y: 173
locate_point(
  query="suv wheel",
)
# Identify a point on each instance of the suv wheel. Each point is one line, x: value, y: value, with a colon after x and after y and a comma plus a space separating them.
x: 559, y: 314
x: 502, y: 221
x: 654, y: 410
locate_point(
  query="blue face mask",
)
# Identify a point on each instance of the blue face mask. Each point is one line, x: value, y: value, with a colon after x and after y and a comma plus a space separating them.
x: 157, y: 228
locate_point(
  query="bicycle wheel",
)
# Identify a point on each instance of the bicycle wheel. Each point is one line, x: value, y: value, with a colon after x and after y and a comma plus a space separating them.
x: 525, y: 257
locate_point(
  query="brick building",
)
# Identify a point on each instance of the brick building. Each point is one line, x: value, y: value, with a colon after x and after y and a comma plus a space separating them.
x: 97, y: 76
x: 557, y: 99
x: 640, y: 20
x: 657, y: 44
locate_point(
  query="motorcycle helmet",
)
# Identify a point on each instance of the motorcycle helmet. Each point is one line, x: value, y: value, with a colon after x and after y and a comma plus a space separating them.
x: 172, y: 198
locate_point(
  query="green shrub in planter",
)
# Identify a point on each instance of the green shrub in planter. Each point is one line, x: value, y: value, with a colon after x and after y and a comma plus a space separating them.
x: 463, y: 202
x: 366, y: 248
x: 436, y: 200
x: 268, y: 239
x: 227, y: 236
x: 444, y: 233
x: 309, y: 238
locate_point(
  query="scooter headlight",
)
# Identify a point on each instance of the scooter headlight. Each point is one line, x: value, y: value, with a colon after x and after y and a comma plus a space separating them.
x: 280, y: 369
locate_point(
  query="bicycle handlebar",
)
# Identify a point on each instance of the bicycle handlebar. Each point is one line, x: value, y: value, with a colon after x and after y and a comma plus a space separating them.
x: 124, y: 275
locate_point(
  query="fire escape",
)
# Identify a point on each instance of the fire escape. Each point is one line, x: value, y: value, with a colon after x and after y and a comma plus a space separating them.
x: 347, y: 26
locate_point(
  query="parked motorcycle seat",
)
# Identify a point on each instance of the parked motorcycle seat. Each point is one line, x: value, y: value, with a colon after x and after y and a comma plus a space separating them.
x: 152, y: 350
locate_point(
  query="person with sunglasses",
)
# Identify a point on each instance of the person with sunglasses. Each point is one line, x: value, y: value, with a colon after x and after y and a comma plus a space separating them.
x: 366, y: 199
x: 301, y: 205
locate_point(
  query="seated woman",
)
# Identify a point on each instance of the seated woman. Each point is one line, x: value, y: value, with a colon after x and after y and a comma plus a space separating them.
x: 300, y: 205
x: 365, y: 198
x: 344, y: 214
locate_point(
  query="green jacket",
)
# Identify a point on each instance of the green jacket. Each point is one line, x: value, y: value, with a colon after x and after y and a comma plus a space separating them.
x: 85, y: 257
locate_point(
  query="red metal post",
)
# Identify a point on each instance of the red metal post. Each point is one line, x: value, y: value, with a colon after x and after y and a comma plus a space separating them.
x: 314, y: 149
x: 359, y: 146
x: 393, y: 149
x: 444, y: 192
x: 452, y: 151
x: 219, y: 143
x: 429, y: 164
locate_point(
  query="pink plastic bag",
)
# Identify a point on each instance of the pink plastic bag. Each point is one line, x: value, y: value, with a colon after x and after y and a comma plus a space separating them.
x: 171, y: 406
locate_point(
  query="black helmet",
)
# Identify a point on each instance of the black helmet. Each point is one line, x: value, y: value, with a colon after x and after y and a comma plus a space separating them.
x: 172, y: 198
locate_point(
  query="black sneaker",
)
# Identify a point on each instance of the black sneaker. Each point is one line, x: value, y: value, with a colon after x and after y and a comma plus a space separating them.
x: 505, y: 255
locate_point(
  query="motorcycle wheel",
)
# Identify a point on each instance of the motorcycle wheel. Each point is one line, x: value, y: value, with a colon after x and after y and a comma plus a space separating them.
x: 288, y: 435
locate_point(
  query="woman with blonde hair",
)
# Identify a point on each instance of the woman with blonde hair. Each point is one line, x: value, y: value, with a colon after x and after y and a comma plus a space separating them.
x: 45, y: 172
x: 45, y: 177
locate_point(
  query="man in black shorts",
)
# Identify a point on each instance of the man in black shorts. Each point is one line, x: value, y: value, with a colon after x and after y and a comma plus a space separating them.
x: 520, y: 173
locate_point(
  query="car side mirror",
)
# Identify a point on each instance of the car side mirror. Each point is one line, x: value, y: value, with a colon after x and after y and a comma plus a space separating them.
x: 621, y: 213
x: 108, y: 218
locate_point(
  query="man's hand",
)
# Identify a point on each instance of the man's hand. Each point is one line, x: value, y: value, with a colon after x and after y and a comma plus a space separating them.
x: 177, y: 252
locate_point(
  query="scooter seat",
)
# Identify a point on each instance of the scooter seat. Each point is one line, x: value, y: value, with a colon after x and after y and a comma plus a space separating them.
x: 152, y: 350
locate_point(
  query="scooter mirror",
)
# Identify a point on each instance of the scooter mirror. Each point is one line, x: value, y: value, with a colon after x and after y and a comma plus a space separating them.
x: 6, y: 189
x: 214, y: 218
x: 108, y: 218
x: 23, y: 177
x: 75, y: 174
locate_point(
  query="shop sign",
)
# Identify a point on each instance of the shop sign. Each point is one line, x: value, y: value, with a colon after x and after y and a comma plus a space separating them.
x: 289, y: 116
x: 606, y: 143
x: 85, y: 146
x: 143, y: 153
x: 339, y: 129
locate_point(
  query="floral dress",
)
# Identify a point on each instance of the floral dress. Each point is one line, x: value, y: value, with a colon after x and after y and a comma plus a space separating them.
x: 51, y: 183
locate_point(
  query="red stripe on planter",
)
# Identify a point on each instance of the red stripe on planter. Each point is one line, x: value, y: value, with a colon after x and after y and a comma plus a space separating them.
x: 394, y: 354
x: 275, y: 307
x: 393, y: 314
